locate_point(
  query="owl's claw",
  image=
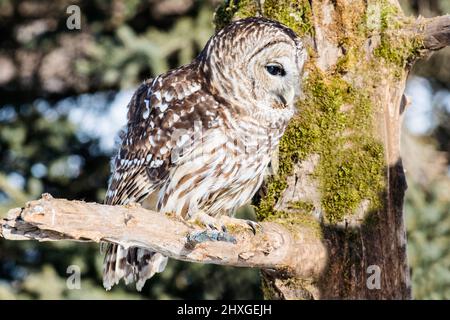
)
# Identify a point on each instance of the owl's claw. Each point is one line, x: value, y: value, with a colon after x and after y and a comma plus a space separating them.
x: 245, y: 224
x: 217, y: 230
x: 206, y: 220
x: 254, y: 226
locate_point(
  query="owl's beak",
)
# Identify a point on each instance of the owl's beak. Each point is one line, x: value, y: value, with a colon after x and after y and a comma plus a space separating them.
x: 282, y: 99
x: 285, y: 99
x: 291, y: 95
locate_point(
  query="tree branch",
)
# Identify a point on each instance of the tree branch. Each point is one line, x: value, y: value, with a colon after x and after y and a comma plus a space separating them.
x: 49, y: 219
x: 435, y: 31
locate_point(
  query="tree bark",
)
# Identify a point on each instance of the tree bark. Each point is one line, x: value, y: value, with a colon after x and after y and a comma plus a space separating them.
x: 353, y: 184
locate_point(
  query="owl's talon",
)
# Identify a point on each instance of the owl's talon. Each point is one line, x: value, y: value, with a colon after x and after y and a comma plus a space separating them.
x: 213, y: 227
x: 215, y: 230
x: 254, y: 226
x: 207, y: 221
x: 242, y: 223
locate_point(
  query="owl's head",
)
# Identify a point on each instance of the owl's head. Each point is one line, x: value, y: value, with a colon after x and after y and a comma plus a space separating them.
x: 256, y: 63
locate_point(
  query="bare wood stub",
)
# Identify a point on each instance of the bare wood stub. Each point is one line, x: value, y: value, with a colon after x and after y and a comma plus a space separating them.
x: 49, y: 219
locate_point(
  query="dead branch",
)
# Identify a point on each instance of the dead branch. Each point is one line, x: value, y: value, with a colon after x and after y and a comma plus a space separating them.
x: 49, y: 219
x: 435, y: 32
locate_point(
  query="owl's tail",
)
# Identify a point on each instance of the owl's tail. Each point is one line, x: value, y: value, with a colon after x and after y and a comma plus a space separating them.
x: 133, y: 265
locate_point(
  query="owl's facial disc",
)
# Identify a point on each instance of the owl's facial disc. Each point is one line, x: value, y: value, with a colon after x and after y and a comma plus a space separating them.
x: 256, y: 64
x: 278, y: 72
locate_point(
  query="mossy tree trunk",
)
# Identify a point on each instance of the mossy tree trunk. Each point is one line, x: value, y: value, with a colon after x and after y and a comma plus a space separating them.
x: 340, y: 171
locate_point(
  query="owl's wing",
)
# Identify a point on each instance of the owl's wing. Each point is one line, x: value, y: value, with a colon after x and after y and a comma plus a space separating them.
x: 163, y: 118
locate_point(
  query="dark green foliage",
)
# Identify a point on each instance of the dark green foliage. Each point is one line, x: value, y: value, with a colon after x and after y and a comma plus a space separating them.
x: 428, y: 224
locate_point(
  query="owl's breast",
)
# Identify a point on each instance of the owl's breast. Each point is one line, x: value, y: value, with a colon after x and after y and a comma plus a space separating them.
x: 221, y: 173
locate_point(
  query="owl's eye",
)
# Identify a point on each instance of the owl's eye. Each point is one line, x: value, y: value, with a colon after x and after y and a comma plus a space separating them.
x: 275, y: 69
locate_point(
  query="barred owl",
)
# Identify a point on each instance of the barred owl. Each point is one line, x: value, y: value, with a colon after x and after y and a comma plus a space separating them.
x: 200, y: 137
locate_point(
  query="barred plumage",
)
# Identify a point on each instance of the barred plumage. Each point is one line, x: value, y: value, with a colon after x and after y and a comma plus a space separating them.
x: 200, y: 137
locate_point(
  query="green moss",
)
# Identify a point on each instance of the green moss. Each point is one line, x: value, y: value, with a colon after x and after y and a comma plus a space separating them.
x: 344, y: 63
x: 351, y: 166
x: 235, y: 228
x: 399, y: 51
x: 296, y: 14
x: 350, y: 178
x: 304, y: 206
x: 335, y: 122
x: 291, y: 221
x: 274, y: 188
x: 234, y: 9
x: 388, y: 15
x: 396, y: 47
